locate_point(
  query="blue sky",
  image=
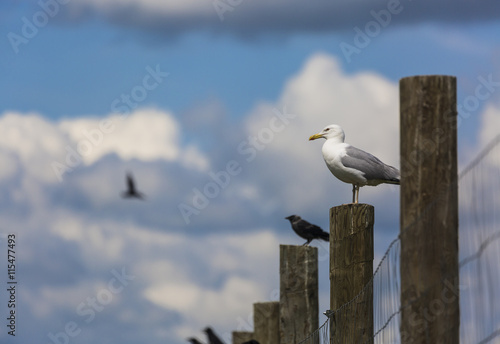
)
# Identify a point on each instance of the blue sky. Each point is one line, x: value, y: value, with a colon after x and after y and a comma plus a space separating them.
x: 226, y: 82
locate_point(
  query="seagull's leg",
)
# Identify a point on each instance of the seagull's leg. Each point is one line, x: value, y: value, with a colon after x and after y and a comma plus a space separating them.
x: 353, y: 192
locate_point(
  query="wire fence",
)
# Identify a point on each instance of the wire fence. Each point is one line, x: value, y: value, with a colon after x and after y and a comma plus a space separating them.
x: 478, y: 286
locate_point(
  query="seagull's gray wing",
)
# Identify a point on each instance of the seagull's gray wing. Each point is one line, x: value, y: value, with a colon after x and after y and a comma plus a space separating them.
x: 371, y: 166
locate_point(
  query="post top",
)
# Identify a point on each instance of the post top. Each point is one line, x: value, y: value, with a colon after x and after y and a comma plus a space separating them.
x: 431, y: 76
x: 352, y: 206
x: 297, y: 247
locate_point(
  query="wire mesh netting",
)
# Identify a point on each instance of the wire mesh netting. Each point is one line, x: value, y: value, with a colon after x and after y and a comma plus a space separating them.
x: 479, y: 195
x: 320, y: 336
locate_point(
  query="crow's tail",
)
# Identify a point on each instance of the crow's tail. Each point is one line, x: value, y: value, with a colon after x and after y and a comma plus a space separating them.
x: 325, y: 236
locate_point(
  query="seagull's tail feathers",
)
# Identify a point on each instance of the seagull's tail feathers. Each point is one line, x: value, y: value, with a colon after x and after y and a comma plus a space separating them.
x: 392, y: 175
x: 393, y: 181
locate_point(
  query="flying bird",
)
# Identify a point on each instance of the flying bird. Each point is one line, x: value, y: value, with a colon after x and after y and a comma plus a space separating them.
x: 352, y: 165
x: 131, y: 190
x: 307, y: 230
x: 212, y: 337
x: 193, y: 340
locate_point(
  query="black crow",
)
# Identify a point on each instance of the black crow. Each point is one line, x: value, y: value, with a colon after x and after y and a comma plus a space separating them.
x: 131, y: 191
x: 306, y: 230
x: 194, y: 341
x: 212, y: 337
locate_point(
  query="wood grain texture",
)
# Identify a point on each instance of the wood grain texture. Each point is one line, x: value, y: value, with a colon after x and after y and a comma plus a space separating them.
x: 298, y: 292
x: 351, y: 269
x: 240, y: 337
x: 266, y: 322
x: 429, y: 210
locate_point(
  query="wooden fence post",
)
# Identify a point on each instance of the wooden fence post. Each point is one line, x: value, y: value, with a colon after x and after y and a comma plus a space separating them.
x: 298, y: 292
x: 240, y: 337
x: 266, y: 316
x: 351, y: 269
x: 429, y: 210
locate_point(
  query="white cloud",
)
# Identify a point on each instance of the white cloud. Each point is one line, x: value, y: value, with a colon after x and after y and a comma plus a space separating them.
x: 38, y: 144
x: 8, y: 163
x: 484, y: 169
x: 247, y: 260
x: 146, y: 134
x: 33, y: 140
x: 490, y: 123
x: 193, y: 158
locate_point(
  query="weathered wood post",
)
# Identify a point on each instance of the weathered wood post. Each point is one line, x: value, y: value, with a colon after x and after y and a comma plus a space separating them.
x: 266, y: 322
x: 240, y: 337
x: 351, y: 270
x: 298, y: 292
x: 429, y: 210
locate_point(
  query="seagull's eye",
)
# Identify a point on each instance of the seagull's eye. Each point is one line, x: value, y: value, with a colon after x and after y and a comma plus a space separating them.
x: 327, y: 129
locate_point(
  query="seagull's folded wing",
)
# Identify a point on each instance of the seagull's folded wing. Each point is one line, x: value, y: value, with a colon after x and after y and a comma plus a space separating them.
x: 371, y: 166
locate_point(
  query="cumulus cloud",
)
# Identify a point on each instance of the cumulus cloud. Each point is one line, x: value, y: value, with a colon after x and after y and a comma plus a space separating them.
x: 147, y: 134
x: 260, y: 16
x: 484, y: 158
x: 490, y: 123
x: 48, y: 150
x: 29, y: 140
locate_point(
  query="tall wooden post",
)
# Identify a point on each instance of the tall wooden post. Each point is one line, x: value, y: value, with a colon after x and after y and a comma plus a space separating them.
x: 429, y: 210
x: 298, y: 292
x: 266, y: 316
x: 351, y: 269
x: 240, y: 337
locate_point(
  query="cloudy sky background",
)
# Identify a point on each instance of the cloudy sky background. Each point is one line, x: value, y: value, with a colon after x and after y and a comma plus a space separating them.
x: 277, y: 71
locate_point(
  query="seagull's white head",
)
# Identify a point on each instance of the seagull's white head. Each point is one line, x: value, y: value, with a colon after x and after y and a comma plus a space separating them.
x: 332, y: 131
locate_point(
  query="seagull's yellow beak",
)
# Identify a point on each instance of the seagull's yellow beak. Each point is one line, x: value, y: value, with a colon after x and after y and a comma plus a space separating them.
x: 315, y: 136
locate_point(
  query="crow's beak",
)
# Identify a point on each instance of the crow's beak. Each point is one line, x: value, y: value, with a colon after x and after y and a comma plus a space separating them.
x: 315, y: 136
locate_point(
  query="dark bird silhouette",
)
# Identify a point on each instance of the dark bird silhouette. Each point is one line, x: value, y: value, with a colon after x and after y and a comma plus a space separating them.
x: 193, y: 340
x: 131, y: 190
x: 307, y: 230
x: 252, y: 341
x: 212, y: 337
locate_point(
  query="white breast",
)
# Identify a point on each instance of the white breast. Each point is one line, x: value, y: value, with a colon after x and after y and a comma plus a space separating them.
x: 332, y: 154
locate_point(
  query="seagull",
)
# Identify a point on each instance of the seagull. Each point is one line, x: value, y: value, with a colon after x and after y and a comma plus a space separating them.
x: 131, y: 191
x: 352, y: 165
x: 212, y: 337
x: 306, y: 230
